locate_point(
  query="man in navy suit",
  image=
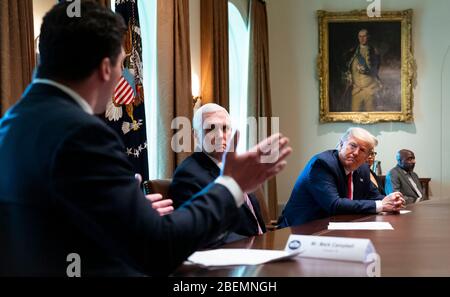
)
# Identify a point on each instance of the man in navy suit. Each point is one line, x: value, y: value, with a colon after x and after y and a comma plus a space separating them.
x: 338, y: 182
x: 212, y: 131
x: 67, y: 191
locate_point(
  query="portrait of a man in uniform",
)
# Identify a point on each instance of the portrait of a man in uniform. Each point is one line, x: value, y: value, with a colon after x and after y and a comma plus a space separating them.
x: 365, y: 67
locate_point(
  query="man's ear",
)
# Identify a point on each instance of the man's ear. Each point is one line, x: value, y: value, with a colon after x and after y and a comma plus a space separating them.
x: 197, y: 141
x: 105, y: 69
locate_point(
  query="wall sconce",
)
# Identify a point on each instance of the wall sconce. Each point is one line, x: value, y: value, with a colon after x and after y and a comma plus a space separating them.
x: 196, y: 98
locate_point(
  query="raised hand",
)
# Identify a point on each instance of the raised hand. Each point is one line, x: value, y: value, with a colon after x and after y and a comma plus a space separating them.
x: 163, y: 207
x: 258, y: 164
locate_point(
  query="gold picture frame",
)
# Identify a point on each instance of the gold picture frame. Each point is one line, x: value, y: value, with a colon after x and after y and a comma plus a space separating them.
x: 366, y: 68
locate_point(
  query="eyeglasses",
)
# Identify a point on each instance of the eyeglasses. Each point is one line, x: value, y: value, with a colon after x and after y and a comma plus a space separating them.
x: 373, y: 154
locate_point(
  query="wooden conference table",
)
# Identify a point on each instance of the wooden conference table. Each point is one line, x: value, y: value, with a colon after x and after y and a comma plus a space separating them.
x: 419, y: 245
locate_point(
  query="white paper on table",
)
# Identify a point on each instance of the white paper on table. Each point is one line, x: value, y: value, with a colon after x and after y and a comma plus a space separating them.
x: 228, y: 257
x: 360, y: 226
x: 404, y: 211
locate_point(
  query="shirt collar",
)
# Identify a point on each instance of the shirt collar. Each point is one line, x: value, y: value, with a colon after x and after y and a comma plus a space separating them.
x: 74, y: 95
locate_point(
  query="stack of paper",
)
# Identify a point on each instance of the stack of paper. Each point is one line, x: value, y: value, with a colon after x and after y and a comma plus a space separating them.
x: 227, y: 257
x: 360, y: 226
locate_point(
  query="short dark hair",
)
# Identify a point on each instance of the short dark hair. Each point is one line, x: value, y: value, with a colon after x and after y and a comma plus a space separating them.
x: 71, y: 48
x: 402, y: 154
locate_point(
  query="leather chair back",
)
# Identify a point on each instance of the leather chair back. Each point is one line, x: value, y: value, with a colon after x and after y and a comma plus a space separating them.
x: 160, y: 186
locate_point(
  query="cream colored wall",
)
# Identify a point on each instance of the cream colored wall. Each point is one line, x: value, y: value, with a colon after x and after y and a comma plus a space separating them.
x: 295, y: 92
x: 40, y: 8
x: 446, y: 123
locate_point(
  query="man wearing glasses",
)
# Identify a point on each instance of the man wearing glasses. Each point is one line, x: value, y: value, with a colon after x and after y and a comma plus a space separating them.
x: 338, y: 182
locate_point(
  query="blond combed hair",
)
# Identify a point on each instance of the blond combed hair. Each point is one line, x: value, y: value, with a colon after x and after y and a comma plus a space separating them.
x: 361, y: 134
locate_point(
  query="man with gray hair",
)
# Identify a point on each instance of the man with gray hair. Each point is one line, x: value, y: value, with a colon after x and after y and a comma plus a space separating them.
x: 212, y: 131
x: 338, y: 182
x: 402, y: 177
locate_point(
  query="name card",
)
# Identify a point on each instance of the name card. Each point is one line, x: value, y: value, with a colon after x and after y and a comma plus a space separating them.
x: 335, y: 248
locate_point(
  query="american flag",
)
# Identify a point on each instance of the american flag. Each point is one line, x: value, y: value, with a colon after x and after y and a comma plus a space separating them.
x: 123, y: 94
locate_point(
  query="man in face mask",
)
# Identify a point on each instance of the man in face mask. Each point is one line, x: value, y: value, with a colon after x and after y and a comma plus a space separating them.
x: 402, y: 178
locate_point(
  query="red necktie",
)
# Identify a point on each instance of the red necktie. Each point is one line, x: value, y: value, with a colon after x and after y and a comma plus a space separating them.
x: 249, y: 204
x: 349, y: 186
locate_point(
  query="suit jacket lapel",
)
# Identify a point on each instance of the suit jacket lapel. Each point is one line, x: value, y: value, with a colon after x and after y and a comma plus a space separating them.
x: 209, y: 165
x: 404, y: 175
x: 417, y: 181
x: 214, y: 171
x: 247, y: 209
x: 413, y: 177
x: 356, y: 184
x: 341, y: 176
x: 257, y: 210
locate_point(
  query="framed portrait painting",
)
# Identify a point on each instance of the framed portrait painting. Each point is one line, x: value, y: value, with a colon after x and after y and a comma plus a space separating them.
x: 366, y: 67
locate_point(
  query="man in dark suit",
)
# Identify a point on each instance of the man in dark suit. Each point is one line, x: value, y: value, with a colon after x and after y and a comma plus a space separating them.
x: 402, y: 177
x: 338, y: 182
x: 212, y: 131
x: 68, y: 196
